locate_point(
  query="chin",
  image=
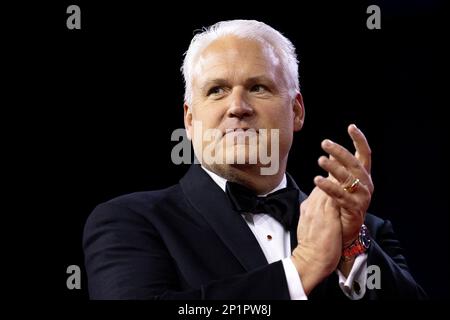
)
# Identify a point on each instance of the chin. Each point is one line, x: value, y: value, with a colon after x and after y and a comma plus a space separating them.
x: 241, y: 154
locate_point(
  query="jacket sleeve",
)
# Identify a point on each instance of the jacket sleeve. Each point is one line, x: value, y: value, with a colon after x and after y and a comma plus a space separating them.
x: 396, y: 281
x: 125, y: 258
x: 388, y: 276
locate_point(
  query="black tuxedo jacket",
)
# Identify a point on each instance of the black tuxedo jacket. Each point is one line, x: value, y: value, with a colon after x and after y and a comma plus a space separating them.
x: 186, y: 242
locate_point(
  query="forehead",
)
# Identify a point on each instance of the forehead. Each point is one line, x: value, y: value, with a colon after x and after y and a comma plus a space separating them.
x: 230, y: 56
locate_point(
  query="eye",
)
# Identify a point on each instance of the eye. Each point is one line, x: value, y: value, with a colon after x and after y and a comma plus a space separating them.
x: 215, y: 91
x: 259, y: 88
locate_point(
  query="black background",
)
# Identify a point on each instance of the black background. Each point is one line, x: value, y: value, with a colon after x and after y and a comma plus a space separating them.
x: 92, y: 111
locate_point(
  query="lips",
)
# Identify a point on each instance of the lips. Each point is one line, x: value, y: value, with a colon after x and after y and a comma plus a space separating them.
x: 238, y: 130
x: 241, y: 136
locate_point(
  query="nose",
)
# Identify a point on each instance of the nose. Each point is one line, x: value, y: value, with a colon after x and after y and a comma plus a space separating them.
x: 239, y: 107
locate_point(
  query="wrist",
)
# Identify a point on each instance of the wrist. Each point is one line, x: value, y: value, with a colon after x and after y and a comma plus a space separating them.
x: 345, y: 266
x: 306, y: 276
x: 311, y: 272
x: 360, y: 245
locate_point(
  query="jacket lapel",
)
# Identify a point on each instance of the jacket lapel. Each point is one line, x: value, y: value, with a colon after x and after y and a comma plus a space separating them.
x: 301, y: 197
x: 213, y: 204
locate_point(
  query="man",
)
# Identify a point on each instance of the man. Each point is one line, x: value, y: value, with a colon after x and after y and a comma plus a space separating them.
x: 237, y: 226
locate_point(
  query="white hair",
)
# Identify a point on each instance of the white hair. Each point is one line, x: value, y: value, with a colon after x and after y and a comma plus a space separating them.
x: 247, y: 29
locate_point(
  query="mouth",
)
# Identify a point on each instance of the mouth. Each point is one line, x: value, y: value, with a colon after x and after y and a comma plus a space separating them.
x: 241, y: 130
x: 241, y: 136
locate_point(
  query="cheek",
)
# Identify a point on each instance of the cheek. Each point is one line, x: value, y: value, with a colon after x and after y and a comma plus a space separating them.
x: 279, y: 117
x: 287, y: 130
x: 205, y: 120
x: 210, y: 116
x: 282, y: 119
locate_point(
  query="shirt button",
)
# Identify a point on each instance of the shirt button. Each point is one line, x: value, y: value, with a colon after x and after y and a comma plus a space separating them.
x: 269, y: 237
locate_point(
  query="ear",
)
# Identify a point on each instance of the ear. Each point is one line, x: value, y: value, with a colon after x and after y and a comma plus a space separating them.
x: 299, y: 112
x: 188, y: 121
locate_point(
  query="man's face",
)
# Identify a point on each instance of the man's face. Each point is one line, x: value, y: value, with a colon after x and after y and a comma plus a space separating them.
x: 239, y: 84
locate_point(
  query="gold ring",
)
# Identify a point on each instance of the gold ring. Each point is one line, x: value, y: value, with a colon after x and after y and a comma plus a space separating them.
x: 353, y: 186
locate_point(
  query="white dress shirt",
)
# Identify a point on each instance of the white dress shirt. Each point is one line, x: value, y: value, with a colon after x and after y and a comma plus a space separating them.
x: 276, y: 245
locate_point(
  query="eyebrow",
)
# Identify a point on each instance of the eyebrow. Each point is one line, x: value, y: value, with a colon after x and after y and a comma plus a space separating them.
x: 261, y: 78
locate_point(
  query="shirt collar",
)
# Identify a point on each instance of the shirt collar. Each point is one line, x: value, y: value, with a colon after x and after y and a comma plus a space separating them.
x: 222, y: 182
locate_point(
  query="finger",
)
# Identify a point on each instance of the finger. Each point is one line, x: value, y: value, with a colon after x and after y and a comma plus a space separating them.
x: 333, y: 159
x: 363, y: 151
x: 344, y: 157
x: 349, y: 201
x: 334, y: 168
x: 343, y: 198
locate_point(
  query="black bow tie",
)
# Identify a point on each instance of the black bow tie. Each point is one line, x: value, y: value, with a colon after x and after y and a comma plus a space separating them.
x: 283, y: 204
